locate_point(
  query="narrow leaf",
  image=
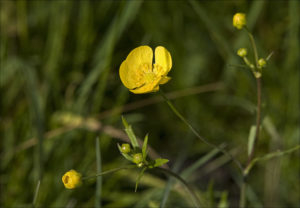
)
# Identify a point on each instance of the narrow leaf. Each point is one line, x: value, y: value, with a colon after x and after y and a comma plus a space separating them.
x: 160, y: 162
x: 144, y: 149
x: 251, y: 139
x: 130, y: 133
x: 139, y: 178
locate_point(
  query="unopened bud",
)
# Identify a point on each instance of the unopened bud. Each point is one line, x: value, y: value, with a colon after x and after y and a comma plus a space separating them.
x: 239, y: 20
x: 125, y: 148
x: 242, y: 52
x: 262, y: 63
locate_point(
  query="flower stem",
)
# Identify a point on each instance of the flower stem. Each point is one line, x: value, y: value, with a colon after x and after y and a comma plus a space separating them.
x: 243, y: 198
x: 197, y: 134
x: 258, y: 119
x: 253, y: 46
x: 188, y: 187
x: 109, y: 171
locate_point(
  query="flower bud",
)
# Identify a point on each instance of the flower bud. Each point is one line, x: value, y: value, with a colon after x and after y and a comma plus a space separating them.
x: 125, y: 148
x: 242, y: 52
x: 239, y: 20
x: 71, y: 179
x: 262, y: 63
x: 138, y: 158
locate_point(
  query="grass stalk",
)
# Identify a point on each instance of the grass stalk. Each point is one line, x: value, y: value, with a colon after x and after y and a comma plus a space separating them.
x: 99, y: 179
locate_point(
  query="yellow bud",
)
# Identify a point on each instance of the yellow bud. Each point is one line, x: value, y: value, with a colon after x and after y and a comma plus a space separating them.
x: 71, y: 179
x: 242, y: 52
x: 239, y: 20
x: 262, y: 63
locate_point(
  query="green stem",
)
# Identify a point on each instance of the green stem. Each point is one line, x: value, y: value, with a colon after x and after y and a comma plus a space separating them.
x: 257, y: 73
x: 258, y: 119
x: 243, y: 193
x: 253, y: 46
x: 187, y: 186
x: 109, y: 171
x: 196, y: 133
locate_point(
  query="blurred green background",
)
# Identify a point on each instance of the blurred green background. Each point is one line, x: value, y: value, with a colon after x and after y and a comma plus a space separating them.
x: 60, y: 89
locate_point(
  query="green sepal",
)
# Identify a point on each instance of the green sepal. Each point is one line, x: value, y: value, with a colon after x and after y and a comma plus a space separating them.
x: 144, y: 149
x: 139, y: 178
x: 128, y: 157
x: 130, y: 133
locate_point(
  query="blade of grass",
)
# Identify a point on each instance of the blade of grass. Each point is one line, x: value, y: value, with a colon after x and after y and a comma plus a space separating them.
x: 55, y: 44
x: 220, y: 42
x: 200, y: 162
x: 291, y: 64
x: 179, y: 161
x: 22, y: 22
x: 36, y: 111
x: 36, y: 193
x: 103, y: 57
x: 99, y: 178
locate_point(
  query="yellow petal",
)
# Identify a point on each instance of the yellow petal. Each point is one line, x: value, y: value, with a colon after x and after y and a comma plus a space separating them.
x: 137, y: 57
x: 163, y: 58
x: 164, y: 80
x: 130, y: 69
x: 123, y: 72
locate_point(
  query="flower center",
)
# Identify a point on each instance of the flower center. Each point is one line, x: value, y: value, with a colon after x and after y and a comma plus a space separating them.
x: 147, y: 75
x: 66, y: 179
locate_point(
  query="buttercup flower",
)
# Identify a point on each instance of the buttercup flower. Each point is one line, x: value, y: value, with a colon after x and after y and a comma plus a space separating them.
x: 71, y: 179
x: 239, y: 20
x: 138, y: 72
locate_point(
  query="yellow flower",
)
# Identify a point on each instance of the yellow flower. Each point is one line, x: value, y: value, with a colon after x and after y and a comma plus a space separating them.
x: 71, y: 179
x: 138, y: 72
x: 239, y: 20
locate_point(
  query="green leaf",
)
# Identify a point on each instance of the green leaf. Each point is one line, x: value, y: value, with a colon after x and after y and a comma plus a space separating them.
x: 159, y: 162
x: 139, y: 178
x: 130, y: 133
x: 144, y: 149
x: 128, y: 157
x: 251, y: 139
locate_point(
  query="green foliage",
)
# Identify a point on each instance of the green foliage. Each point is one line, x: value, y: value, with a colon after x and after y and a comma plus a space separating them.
x: 60, y: 89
